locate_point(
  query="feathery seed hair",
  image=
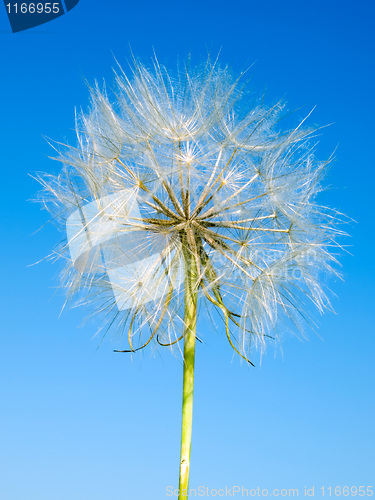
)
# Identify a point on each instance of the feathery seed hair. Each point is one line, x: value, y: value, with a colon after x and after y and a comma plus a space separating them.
x: 176, y: 175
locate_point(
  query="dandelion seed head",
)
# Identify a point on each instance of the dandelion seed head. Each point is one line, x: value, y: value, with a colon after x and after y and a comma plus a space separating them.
x: 181, y: 166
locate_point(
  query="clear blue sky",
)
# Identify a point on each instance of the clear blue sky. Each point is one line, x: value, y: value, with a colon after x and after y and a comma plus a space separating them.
x: 77, y: 423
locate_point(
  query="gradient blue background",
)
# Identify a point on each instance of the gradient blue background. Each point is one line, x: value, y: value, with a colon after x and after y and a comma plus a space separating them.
x: 78, y: 423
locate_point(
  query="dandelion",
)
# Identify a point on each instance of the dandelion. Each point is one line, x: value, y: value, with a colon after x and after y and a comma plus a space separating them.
x: 181, y: 196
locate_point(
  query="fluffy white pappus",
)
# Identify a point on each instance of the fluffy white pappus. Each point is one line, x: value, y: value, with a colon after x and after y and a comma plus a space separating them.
x: 180, y: 169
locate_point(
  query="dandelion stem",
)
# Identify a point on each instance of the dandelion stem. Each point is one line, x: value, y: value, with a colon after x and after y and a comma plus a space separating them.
x: 190, y: 320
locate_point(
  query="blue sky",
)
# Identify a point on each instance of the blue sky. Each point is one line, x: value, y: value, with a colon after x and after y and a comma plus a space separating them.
x: 77, y: 422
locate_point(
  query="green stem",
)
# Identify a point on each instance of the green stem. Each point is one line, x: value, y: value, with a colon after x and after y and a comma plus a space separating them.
x: 190, y: 319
